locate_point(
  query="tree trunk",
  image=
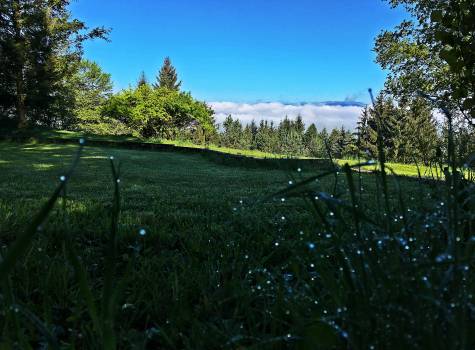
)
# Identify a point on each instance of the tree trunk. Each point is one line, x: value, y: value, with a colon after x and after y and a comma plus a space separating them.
x: 20, y: 105
x: 20, y: 66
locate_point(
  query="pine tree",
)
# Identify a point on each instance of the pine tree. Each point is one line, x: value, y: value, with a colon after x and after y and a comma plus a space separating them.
x: 142, y: 80
x: 167, y: 77
x: 312, y: 142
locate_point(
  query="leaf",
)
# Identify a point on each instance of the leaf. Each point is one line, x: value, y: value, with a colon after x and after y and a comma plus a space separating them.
x: 436, y: 16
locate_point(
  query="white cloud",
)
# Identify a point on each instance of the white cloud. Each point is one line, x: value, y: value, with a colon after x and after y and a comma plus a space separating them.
x: 323, y: 115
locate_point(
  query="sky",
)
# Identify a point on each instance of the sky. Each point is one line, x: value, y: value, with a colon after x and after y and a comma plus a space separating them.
x: 246, y: 53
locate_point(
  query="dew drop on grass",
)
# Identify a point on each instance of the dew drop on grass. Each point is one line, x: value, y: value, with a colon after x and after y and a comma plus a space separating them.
x: 283, y: 218
x: 276, y: 244
x: 111, y: 157
x: 291, y: 182
x: 118, y: 181
x: 142, y: 232
x: 299, y: 170
x: 311, y: 246
x: 282, y: 200
x: 82, y: 141
x: 443, y: 257
x: 62, y: 178
x: 332, y: 213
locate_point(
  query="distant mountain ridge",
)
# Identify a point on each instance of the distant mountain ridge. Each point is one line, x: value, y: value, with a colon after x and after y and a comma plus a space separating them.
x: 329, y: 103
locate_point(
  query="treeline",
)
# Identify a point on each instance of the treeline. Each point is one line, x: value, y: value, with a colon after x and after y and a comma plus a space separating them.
x: 289, y: 137
x: 46, y: 82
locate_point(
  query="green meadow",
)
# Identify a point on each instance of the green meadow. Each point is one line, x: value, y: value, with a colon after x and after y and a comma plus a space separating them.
x: 183, y: 252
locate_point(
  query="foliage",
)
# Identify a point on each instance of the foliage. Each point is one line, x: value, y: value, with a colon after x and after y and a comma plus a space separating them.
x: 40, y: 46
x: 167, y: 77
x: 454, y: 24
x: 159, y: 112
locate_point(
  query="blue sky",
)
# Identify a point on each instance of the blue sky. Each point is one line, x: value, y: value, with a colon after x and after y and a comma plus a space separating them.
x: 245, y: 50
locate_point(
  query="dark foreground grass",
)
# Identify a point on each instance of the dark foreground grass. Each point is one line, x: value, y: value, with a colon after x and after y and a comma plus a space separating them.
x: 186, y: 253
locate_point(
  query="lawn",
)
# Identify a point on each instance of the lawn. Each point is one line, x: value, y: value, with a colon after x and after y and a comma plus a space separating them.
x: 208, y: 257
x: 412, y: 170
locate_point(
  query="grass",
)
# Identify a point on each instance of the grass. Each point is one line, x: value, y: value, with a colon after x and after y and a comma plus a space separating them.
x: 49, y: 135
x: 187, y: 253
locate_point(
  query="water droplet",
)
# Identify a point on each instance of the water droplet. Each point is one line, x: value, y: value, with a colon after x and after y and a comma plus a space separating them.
x: 443, y: 257
x: 276, y: 244
x: 111, y: 157
x: 288, y: 277
x: 82, y: 141
x: 142, y: 232
x: 240, y: 202
x: 62, y: 178
x: 282, y: 218
x: 118, y: 181
x: 332, y: 213
x: 246, y: 257
x: 291, y: 182
x: 287, y: 312
x: 282, y: 200
x: 299, y: 170
x: 289, y: 335
x: 311, y: 246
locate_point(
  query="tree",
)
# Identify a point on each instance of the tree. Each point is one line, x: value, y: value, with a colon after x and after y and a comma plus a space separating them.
x: 92, y: 88
x: 167, y: 77
x: 314, y: 146
x: 160, y: 112
x: 40, y: 46
x: 142, y: 79
x: 454, y: 24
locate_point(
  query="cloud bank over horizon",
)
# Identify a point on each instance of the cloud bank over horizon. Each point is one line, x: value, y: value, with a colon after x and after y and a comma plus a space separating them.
x: 325, y: 115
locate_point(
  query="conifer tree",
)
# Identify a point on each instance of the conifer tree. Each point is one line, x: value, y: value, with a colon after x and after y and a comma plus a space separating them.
x: 167, y: 77
x: 142, y: 79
